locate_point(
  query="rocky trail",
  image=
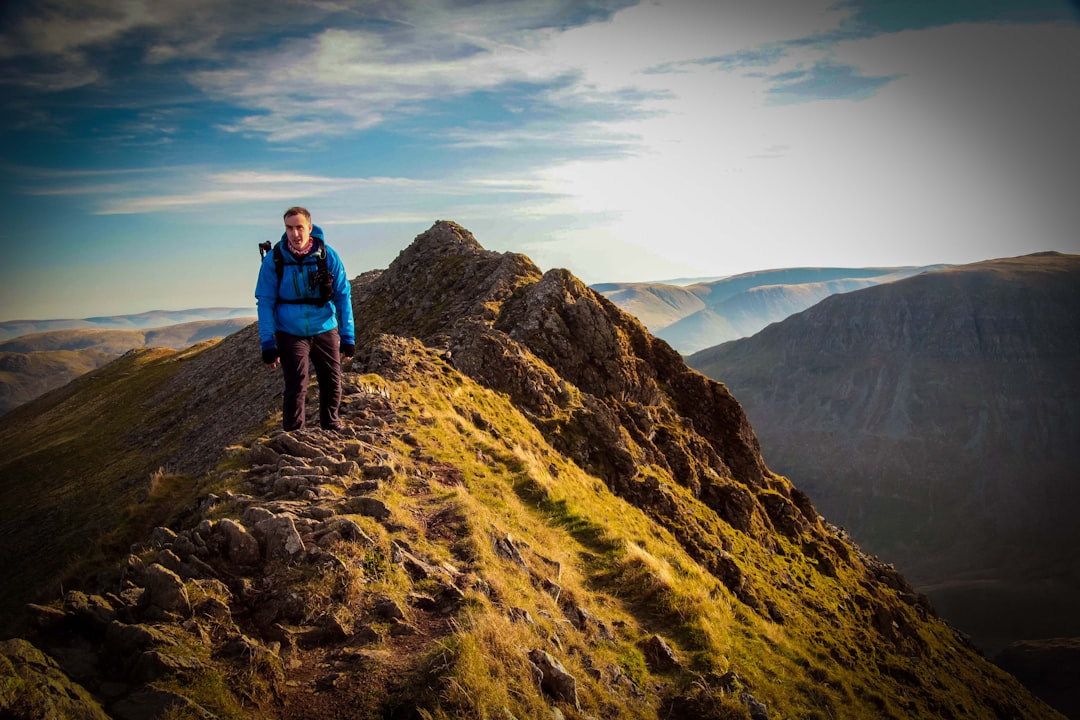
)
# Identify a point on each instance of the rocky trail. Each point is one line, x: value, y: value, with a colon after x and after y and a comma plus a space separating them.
x: 330, y: 652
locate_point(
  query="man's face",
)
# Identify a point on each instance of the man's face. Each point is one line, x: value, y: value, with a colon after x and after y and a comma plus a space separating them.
x: 298, y: 229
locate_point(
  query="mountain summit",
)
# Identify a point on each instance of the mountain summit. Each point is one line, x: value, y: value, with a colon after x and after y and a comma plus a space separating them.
x: 536, y: 509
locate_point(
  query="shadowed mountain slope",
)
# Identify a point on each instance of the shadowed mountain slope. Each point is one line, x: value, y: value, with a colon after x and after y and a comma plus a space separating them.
x: 534, y: 506
x: 938, y: 420
x: 24, y: 376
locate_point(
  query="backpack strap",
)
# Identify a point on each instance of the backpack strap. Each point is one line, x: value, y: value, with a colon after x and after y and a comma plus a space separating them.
x: 321, y: 272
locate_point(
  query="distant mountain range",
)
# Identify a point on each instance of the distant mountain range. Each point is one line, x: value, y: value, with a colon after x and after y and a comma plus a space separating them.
x: 692, y: 317
x: 937, y: 418
x: 33, y: 364
x: 140, y: 321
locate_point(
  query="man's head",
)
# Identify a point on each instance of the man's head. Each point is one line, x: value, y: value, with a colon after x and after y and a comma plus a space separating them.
x: 298, y: 226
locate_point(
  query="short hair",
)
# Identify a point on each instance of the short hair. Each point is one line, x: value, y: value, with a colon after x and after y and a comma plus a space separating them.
x: 297, y: 210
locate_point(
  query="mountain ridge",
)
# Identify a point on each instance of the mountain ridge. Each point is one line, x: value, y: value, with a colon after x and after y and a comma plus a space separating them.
x: 536, y: 508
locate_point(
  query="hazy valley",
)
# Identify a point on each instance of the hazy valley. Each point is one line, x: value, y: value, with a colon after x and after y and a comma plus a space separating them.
x: 139, y: 321
x: 709, y: 312
x: 32, y: 364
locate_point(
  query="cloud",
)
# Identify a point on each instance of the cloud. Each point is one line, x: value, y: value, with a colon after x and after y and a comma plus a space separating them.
x: 380, y: 218
x: 73, y: 190
x: 825, y: 80
x: 234, y: 188
x: 874, y: 17
x: 60, y: 45
x: 345, y: 79
x: 341, y: 81
x: 349, y: 67
x: 547, y: 135
x: 64, y: 44
x: 65, y: 28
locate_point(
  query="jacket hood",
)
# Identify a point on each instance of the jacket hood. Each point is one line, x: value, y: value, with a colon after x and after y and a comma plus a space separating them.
x: 316, y: 232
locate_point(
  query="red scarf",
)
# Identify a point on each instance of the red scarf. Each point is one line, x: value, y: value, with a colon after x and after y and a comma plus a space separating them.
x: 301, y: 253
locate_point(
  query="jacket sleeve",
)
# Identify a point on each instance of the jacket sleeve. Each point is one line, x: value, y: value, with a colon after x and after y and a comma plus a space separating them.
x: 265, y: 301
x: 342, y: 297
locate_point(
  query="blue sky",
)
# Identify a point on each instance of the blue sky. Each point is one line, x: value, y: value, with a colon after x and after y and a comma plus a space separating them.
x: 149, y: 145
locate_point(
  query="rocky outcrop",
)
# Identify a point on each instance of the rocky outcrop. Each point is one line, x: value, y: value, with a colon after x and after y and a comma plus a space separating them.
x: 606, y: 393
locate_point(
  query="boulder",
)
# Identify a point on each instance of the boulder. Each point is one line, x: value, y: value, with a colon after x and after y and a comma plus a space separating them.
x: 554, y: 679
x: 165, y: 591
x: 658, y: 654
x: 280, y: 537
x: 242, y: 547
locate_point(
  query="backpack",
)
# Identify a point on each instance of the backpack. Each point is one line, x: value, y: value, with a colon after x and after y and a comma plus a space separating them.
x: 322, y: 277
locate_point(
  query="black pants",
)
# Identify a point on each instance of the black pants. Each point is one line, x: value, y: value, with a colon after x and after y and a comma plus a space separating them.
x: 324, y: 352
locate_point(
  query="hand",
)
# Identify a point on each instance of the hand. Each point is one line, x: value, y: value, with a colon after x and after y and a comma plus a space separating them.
x: 270, y: 357
x: 347, y: 349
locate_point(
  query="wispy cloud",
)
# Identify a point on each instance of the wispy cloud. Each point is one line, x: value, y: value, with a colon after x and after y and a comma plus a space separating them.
x: 825, y: 80
x: 203, y: 198
x: 254, y: 178
x: 539, y: 134
x: 243, y: 186
x: 59, y: 44
x: 594, y: 77
x: 236, y: 187
x: 341, y: 81
x: 381, y: 218
x: 73, y: 190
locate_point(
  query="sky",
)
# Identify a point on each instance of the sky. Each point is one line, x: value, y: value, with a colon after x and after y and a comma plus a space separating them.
x: 148, y: 146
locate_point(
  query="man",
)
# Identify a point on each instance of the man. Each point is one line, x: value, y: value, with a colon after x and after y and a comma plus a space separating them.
x: 305, y: 314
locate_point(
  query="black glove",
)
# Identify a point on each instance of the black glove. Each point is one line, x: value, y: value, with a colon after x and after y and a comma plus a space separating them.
x: 270, y: 356
x: 347, y: 349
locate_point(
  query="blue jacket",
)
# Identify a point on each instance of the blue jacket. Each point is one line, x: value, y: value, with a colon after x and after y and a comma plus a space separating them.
x: 302, y: 319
